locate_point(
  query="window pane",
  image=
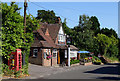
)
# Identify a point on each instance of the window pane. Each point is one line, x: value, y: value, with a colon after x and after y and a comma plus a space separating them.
x: 35, y: 51
x: 54, y: 54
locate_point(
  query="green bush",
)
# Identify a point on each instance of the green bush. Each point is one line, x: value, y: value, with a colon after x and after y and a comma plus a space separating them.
x: 96, y: 60
x: 74, y: 61
x: 17, y: 73
x: 25, y: 69
x: 6, y: 71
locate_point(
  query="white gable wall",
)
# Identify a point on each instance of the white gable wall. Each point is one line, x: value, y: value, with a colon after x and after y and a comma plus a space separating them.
x: 61, y: 30
x: 61, y: 35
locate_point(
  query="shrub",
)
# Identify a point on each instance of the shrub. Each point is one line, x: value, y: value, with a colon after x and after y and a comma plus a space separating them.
x: 17, y: 73
x: 25, y: 69
x: 6, y: 71
x: 96, y: 60
x: 74, y: 61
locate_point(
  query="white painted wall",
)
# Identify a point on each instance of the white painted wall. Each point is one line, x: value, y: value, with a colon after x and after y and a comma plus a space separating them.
x: 61, y: 35
x: 61, y: 30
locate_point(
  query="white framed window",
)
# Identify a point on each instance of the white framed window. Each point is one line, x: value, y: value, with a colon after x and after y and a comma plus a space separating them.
x: 54, y: 53
x: 35, y: 52
x: 49, y: 51
x: 58, y: 37
x: 44, y: 55
x: 65, y: 53
x: 61, y: 38
x: 46, y: 50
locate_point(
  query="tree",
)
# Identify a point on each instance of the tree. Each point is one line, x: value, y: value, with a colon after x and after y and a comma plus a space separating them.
x: 109, y: 32
x: 66, y: 29
x: 119, y: 48
x: 83, y: 35
x: 104, y: 43
x: 113, y: 48
x: 47, y: 16
x: 84, y: 22
x: 13, y: 32
x: 95, y: 25
x: 12, y: 29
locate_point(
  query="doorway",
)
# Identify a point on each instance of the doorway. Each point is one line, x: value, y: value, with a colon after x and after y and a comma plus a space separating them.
x: 62, y: 56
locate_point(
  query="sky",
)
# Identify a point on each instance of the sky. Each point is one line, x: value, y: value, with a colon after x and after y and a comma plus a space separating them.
x: 106, y: 12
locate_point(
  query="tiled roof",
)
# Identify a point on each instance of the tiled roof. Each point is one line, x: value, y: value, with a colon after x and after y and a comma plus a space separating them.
x: 36, y: 44
x: 73, y: 47
x: 53, y: 30
x: 49, y: 42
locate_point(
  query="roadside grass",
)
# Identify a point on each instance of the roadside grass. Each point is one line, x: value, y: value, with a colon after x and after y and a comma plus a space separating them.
x: 111, y: 59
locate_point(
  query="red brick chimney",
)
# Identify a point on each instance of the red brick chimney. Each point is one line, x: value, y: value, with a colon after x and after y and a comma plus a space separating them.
x: 58, y: 20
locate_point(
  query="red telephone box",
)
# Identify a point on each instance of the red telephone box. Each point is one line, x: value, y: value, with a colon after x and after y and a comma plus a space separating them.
x: 15, y: 60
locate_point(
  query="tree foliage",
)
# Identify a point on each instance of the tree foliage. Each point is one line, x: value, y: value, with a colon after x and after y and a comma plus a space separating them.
x: 104, y: 43
x: 88, y: 36
x: 108, y: 45
x: 13, y: 35
x: 47, y: 16
x: 12, y: 29
x: 66, y: 29
x: 95, y: 24
x: 83, y: 35
x: 109, y: 32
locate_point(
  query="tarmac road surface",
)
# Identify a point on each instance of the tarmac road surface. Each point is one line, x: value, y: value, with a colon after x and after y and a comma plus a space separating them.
x: 103, y: 72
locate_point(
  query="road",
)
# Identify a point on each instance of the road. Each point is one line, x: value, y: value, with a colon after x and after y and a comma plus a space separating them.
x: 109, y: 72
x: 103, y: 72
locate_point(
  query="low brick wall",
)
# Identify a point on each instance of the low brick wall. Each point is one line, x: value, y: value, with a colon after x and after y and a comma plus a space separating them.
x: 90, y: 63
x: 75, y: 64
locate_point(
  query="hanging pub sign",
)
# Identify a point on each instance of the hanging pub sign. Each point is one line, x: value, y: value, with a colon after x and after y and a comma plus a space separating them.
x: 68, y: 41
x: 65, y: 53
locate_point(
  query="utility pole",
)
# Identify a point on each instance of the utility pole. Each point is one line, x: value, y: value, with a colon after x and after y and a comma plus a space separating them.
x: 25, y: 7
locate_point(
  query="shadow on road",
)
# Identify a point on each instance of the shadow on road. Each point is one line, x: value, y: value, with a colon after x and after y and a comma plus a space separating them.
x: 113, y: 70
x: 107, y: 69
x: 113, y: 64
x: 109, y: 78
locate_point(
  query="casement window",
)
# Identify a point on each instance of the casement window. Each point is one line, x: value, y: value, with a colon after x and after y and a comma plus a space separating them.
x: 44, y: 55
x: 65, y: 53
x: 54, y: 53
x: 35, y: 52
x: 61, y: 38
x: 49, y: 51
x: 40, y: 50
x: 58, y: 37
x: 46, y: 50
